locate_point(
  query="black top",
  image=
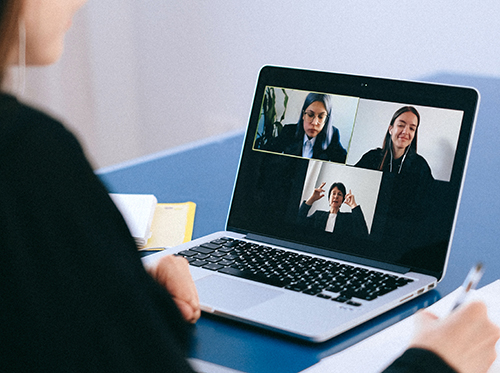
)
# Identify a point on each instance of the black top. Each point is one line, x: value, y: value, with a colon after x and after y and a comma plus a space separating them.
x: 416, y: 360
x: 289, y: 143
x: 74, y: 294
x: 346, y: 224
x: 413, y: 163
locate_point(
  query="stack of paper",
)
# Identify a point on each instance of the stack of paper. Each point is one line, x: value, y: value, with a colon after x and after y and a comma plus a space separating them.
x: 138, y: 211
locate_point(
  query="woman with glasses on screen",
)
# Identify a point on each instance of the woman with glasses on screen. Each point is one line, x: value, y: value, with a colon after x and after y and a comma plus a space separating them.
x: 314, y: 136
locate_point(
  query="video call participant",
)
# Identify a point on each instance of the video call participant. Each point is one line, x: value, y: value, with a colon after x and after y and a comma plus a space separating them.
x: 399, y: 151
x: 314, y: 136
x: 342, y: 223
x: 75, y: 296
x: 408, y: 197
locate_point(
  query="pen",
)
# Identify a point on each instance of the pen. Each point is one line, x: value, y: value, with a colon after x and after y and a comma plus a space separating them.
x: 470, y: 283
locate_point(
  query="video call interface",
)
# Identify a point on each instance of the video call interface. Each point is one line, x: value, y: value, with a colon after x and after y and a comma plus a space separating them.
x: 373, y: 182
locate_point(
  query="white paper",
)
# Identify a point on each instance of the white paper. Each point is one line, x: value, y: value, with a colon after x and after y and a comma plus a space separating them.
x: 375, y: 353
x: 138, y: 211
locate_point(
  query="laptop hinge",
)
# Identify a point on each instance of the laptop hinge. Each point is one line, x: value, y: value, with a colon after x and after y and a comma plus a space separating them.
x: 329, y: 254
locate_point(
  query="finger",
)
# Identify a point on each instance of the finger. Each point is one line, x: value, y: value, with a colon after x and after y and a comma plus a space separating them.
x: 189, y: 313
x: 424, y: 318
x: 322, y: 184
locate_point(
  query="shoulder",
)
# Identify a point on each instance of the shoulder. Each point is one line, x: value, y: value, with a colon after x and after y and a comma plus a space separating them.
x: 421, y: 161
x: 335, y: 131
x: 288, y: 130
x: 20, y: 121
x: 377, y: 152
x: 370, y: 158
x: 420, y: 165
x: 32, y: 133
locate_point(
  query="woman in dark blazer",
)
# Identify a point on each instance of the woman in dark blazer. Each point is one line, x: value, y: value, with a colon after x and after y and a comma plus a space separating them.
x: 341, y: 223
x: 314, y: 136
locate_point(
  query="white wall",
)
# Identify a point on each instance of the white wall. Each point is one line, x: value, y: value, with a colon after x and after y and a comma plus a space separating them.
x: 142, y: 76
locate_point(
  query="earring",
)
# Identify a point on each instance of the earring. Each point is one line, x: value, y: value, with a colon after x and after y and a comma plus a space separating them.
x: 21, y: 84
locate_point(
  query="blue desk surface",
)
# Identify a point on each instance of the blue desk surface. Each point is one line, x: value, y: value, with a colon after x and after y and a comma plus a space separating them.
x: 204, y: 173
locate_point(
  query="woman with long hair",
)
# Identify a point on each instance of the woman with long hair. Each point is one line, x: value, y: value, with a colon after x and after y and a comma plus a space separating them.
x: 314, y: 135
x: 399, y: 150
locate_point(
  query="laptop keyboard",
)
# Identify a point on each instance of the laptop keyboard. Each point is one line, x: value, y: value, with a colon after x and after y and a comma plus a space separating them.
x: 302, y: 273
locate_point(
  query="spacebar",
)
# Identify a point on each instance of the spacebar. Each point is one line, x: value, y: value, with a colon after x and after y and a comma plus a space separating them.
x: 274, y: 281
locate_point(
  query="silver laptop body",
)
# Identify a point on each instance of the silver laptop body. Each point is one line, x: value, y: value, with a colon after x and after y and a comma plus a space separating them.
x: 400, y: 229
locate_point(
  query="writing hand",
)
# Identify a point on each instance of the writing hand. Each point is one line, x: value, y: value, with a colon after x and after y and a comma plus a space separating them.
x: 465, y: 339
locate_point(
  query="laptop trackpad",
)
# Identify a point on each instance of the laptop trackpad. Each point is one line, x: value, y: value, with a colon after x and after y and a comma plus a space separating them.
x: 222, y: 293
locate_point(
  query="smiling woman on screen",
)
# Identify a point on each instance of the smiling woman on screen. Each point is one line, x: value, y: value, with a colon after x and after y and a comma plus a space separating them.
x: 399, y: 151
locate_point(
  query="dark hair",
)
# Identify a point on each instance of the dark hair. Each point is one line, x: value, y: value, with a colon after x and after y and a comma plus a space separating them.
x: 10, y: 12
x: 386, y: 148
x: 340, y: 187
x: 325, y: 136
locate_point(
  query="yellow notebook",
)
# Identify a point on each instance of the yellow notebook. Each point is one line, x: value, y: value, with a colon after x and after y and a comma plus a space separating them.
x: 172, y: 224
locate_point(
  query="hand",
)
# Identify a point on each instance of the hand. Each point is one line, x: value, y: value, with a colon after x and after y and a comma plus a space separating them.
x: 349, y: 200
x: 173, y: 273
x: 318, y: 193
x: 465, y: 340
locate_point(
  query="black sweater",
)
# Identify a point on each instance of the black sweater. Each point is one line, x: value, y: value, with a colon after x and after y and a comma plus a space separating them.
x: 74, y: 295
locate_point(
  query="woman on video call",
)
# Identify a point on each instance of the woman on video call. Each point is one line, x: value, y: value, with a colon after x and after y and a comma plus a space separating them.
x: 399, y: 151
x: 314, y: 136
x: 74, y: 293
x: 342, y: 223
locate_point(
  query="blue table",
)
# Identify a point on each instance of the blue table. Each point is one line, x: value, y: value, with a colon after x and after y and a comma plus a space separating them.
x: 204, y: 173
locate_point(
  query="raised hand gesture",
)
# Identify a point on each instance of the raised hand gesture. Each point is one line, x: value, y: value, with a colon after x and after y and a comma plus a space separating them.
x: 317, y: 194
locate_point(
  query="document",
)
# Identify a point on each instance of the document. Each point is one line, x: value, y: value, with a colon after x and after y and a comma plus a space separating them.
x: 172, y: 224
x: 138, y: 211
x: 377, y: 352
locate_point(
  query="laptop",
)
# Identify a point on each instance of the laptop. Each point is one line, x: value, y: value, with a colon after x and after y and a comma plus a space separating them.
x: 319, y: 240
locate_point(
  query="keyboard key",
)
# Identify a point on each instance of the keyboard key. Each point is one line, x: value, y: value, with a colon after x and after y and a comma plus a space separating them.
x: 198, y: 263
x: 351, y: 303
x: 321, y: 295
x: 341, y: 299
x: 211, y: 246
x: 213, y: 266
x: 203, y: 250
x: 187, y: 253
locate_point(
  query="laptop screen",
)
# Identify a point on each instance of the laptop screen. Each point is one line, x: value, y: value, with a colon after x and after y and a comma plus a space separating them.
x: 360, y: 166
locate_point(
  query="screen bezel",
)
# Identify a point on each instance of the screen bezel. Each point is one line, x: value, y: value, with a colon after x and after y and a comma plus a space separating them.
x: 390, y: 90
